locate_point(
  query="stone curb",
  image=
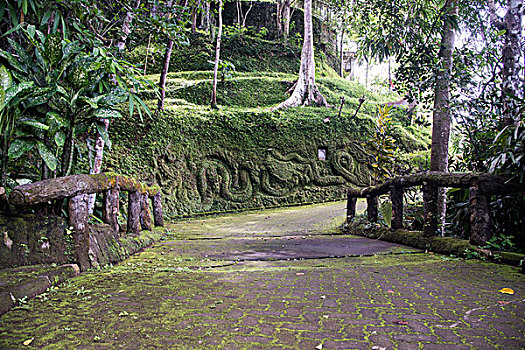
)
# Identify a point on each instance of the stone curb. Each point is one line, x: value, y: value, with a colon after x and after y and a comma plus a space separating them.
x: 35, y: 285
x: 441, y: 245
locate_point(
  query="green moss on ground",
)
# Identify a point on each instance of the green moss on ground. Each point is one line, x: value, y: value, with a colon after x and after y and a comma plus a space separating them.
x: 154, y: 300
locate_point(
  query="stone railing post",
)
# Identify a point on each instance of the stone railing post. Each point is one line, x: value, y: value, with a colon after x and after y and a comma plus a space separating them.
x: 350, y: 207
x: 145, y: 215
x: 78, y: 220
x: 372, y: 210
x: 110, y: 209
x: 479, y: 216
x: 133, y: 212
x: 158, y: 219
x: 396, y: 197
x: 430, y: 194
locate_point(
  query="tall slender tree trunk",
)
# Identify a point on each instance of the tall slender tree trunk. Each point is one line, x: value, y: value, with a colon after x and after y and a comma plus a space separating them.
x: 207, y: 19
x: 367, y: 70
x: 441, y: 125
x: 279, y: 17
x: 341, y: 54
x: 286, y: 19
x: 166, y: 65
x: 512, y: 52
x: 239, y: 12
x: 245, y: 16
x: 217, y: 58
x: 164, y: 75
x: 306, y: 92
x: 194, y: 19
x: 283, y: 13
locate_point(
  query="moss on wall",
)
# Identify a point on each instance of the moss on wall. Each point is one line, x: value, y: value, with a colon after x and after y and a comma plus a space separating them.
x: 208, y: 161
x: 34, y: 239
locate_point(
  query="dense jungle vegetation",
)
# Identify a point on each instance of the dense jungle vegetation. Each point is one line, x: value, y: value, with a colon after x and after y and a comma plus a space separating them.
x: 73, y: 73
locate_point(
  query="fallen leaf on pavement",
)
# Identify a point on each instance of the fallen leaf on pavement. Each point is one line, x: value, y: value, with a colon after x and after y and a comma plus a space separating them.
x: 401, y: 322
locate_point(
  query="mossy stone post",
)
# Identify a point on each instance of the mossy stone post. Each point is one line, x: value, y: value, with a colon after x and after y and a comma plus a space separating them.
x: 396, y: 196
x: 134, y: 212
x: 158, y: 219
x: 372, y: 208
x: 430, y: 209
x: 145, y: 215
x: 350, y: 207
x: 110, y: 209
x: 479, y: 216
x: 78, y: 220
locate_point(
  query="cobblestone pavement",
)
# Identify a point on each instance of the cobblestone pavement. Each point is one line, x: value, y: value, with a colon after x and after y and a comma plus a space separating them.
x: 276, y: 287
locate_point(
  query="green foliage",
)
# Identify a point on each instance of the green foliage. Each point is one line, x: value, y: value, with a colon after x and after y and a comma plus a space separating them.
x: 59, y: 90
x: 385, y: 211
x: 405, y: 30
x: 226, y: 69
x: 501, y: 242
x: 509, y: 152
x: 382, y: 145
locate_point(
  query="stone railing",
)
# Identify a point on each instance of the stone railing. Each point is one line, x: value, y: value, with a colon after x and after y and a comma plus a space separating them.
x: 480, y: 186
x: 76, y: 189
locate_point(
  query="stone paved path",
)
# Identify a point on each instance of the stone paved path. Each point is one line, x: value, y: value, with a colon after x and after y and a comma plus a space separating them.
x: 265, y: 280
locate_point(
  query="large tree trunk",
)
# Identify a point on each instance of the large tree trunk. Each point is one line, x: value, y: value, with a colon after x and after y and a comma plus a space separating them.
x: 217, y: 57
x: 441, y: 123
x: 510, y: 75
x: 306, y: 92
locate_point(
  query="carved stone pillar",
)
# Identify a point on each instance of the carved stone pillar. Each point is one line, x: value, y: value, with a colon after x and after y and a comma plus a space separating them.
x: 145, y: 215
x: 110, y: 209
x: 78, y: 220
x: 134, y: 212
x: 396, y: 197
x: 157, y: 211
x: 372, y: 210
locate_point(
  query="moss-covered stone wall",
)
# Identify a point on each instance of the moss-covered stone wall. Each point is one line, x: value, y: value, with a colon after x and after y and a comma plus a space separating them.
x: 29, y: 239
x: 207, y: 161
